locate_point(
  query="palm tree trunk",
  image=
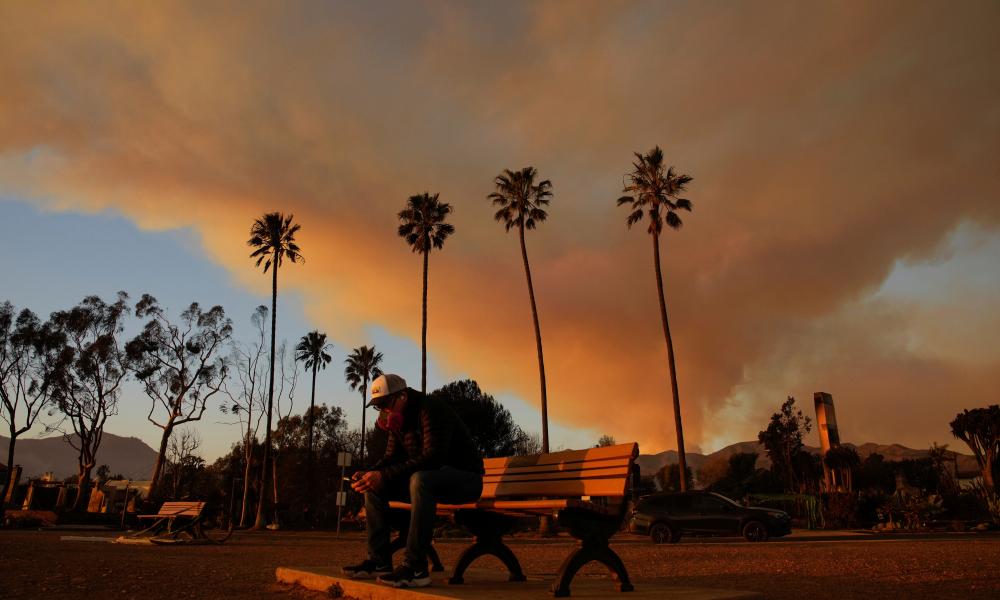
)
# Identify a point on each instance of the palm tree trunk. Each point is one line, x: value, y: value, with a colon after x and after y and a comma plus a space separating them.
x: 545, y: 521
x: 423, y: 334
x: 309, y: 458
x: 261, y: 521
x: 364, y: 393
x: 681, y: 458
x: 538, y: 343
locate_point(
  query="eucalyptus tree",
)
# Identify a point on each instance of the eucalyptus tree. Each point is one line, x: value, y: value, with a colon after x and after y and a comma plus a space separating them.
x: 272, y: 237
x: 87, y: 383
x: 29, y: 351
x: 423, y: 226
x: 181, y: 366
x: 521, y: 204
x: 652, y: 191
x: 311, y: 351
x: 362, y: 367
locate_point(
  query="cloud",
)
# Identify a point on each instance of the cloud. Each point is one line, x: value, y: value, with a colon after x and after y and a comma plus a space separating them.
x: 826, y: 143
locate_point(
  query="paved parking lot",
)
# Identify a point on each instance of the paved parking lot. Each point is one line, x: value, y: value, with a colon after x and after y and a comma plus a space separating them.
x: 38, y: 564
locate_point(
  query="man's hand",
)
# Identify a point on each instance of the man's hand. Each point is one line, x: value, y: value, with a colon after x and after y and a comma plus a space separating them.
x: 369, y: 481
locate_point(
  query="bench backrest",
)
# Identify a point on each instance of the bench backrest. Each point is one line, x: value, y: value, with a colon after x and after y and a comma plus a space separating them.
x: 181, y: 509
x: 569, y: 474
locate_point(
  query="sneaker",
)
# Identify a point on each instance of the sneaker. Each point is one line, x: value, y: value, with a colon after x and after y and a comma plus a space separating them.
x: 366, y: 570
x: 404, y: 576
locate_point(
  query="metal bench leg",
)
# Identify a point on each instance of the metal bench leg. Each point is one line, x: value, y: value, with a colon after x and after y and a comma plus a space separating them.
x: 157, y: 526
x: 585, y: 553
x: 594, y: 532
x: 483, y: 547
x: 489, y: 529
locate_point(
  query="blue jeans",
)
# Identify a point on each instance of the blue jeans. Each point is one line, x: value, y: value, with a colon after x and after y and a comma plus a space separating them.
x: 425, y: 490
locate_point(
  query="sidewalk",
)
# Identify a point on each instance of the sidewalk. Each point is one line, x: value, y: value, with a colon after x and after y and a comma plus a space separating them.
x: 827, y: 533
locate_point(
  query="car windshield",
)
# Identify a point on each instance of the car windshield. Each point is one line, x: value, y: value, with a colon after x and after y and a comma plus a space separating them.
x: 727, y: 500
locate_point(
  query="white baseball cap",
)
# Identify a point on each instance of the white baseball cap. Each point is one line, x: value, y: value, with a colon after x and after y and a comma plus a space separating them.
x: 386, y: 385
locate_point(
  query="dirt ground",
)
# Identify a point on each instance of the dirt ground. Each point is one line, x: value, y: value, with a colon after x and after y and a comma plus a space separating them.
x: 37, y: 564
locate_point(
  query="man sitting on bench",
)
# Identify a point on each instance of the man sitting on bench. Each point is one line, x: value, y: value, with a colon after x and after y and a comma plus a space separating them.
x: 430, y: 457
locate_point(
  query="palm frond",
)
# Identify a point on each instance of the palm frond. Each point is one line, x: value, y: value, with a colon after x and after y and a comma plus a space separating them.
x: 654, y: 189
x: 520, y: 199
x: 273, y: 239
x: 422, y: 222
x: 362, y: 365
x: 633, y: 218
x: 538, y: 215
x: 311, y: 350
x: 673, y: 221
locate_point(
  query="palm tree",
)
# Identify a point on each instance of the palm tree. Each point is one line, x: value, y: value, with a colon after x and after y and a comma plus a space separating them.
x: 311, y: 351
x: 362, y: 366
x: 273, y: 239
x: 521, y: 204
x: 422, y: 226
x: 654, y: 193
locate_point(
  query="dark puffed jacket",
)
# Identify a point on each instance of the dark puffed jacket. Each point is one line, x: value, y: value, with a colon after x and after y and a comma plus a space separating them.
x: 433, y: 436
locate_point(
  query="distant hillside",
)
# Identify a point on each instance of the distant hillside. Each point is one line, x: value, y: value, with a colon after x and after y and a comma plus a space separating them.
x: 126, y: 455
x: 651, y: 463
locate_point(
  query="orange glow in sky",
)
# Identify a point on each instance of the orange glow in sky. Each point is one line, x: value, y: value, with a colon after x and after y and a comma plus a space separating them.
x: 844, y: 155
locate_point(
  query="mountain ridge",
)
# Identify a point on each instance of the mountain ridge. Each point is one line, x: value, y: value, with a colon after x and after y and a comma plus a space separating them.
x: 134, y: 458
x: 129, y: 456
x: 649, y: 464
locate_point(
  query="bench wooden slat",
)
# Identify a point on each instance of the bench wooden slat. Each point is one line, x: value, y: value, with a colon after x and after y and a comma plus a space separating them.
x: 626, y: 451
x: 584, y: 475
x: 527, y: 507
x: 561, y: 467
x: 177, y: 509
x: 572, y: 488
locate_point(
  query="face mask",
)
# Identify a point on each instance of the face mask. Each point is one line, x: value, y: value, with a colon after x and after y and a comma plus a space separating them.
x: 392, y: 419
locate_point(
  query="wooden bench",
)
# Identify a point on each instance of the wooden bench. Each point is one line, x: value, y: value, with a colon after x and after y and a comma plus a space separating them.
x: 175, y: 519
x: 585, y: 491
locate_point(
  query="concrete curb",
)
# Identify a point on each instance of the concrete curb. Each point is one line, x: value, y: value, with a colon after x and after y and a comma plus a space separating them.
x: 490, y: 584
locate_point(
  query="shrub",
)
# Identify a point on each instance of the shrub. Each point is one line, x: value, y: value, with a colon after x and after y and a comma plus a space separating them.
x: 966, y: 506
x: 841, y: 509
x: 868, y: 504
x: 990, y: 501
x: 23, y: 522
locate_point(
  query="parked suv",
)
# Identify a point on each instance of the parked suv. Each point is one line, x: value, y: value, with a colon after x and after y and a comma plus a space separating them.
x: 665, y: 517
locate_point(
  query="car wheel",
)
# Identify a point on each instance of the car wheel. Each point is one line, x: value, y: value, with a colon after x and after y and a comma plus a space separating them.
x: 661, y: 533
x: 755, y: 531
